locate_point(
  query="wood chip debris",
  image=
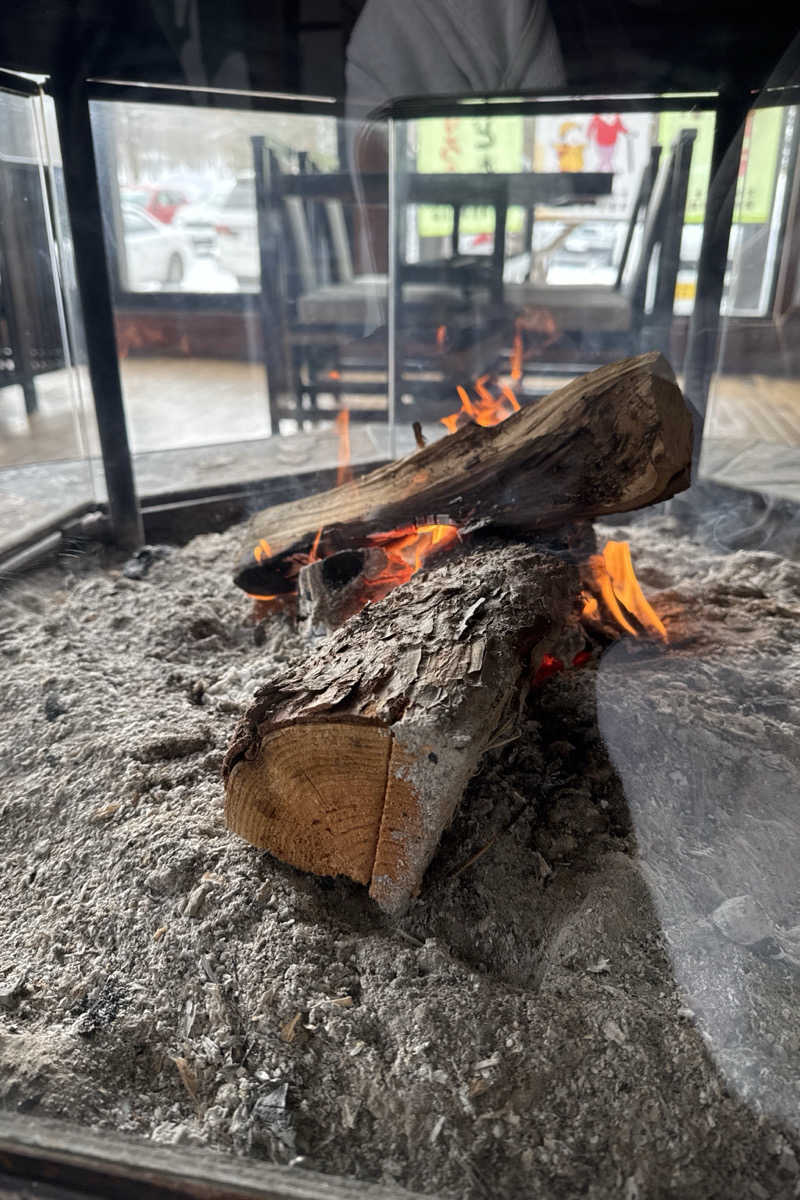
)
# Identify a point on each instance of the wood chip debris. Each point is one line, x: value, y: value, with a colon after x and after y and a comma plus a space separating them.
x: 188, y: 1077
x: 613, y: 1032
x: 599, y: 968
x: 437, y: 1129
x: 102, y: 814
x: 289, y: 1030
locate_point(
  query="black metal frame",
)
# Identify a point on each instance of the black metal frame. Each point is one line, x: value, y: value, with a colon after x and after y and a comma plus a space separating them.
x: 82, y: 187
x: 17, y: 85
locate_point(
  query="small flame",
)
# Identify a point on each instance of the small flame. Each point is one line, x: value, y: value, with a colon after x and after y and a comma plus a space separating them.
x: 516, y: 358
x: 441, y: 337
x: 614, y: 583
x: 345, y: 472
x: 485, y: 408
x: 262, y: 551
x: 313, y: 555
x: 334, y: 374
x: 405, y: 551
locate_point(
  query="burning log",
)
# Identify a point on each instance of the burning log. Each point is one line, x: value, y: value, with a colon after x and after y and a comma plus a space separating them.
x: 614, y: 440
x: 330, y: 590
x: 353, y: 762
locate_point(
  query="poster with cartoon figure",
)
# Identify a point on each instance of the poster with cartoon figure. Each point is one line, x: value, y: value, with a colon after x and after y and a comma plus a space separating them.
x: 570, y: 146
x: 604, y: 132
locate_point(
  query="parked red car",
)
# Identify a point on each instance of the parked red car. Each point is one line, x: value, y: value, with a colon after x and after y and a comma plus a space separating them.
x: 161, y: 202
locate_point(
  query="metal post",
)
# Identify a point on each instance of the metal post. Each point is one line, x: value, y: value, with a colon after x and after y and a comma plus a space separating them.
x: 270, y: 309
x: 15, y: 278
x: 86, y: 224
x: 701, y: 350
x: 397, y: 190
x: 659, y: 323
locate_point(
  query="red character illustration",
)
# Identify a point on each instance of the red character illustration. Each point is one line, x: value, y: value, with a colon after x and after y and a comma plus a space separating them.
x: 605, y: 135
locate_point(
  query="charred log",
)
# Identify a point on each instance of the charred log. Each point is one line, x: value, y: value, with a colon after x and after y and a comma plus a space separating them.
x: 614, y: 440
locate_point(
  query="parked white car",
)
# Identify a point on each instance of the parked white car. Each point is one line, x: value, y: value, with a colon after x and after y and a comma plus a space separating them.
x: 237, y: 233
x: 199, y: 220
x: 156, y: 255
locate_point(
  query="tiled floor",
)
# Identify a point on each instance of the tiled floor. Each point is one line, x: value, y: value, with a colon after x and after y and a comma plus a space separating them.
x: 752, y: 435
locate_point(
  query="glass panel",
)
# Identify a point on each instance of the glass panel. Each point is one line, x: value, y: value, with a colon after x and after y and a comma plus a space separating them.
x: 556, y: 242
x: 230, y: 375
x: 47, y: 432
x: 752, y: 434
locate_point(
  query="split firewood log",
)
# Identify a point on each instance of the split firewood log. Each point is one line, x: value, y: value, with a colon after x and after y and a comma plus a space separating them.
x: 353, y: 761
x: 616, y: 439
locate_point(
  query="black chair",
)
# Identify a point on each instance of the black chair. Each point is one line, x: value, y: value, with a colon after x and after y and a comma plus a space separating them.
x: 618, y: 318
x: 30, y: 330
x: 326, y: 328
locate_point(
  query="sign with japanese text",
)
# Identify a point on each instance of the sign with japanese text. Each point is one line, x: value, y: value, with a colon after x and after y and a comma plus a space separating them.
x: 757, y: 170
x: 467, y: 145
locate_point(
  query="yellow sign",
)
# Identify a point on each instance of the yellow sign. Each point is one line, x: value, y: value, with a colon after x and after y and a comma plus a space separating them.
x: 472, y: 146
x: 758, y: 168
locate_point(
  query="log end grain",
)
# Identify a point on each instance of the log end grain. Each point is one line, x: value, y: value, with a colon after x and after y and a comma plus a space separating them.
x: 313, y: 794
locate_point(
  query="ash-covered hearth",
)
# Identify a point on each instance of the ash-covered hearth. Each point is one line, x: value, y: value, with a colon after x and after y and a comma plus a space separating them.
x: 595, y: 991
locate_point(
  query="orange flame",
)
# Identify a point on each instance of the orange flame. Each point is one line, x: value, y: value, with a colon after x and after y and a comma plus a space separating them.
x: 262, y: 551
x: 614, y: 580
x: 441, y: 337
x: 486, y: 408
x: 313, y: 555
x: 405, y: 551
x: 345, y: 472
x: 516, y: 358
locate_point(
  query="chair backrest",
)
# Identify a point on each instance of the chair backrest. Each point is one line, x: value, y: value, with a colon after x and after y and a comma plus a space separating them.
x: 340, y: 241
x: 640, y: 204
x: 317, y: 237
x: 663, y: 226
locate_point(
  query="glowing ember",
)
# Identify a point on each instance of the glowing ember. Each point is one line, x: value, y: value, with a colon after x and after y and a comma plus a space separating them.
x: 550, y: 665
x: 405, y: 551
x: 345, y: 472
x: 441, y: 337
x: 615, y: 586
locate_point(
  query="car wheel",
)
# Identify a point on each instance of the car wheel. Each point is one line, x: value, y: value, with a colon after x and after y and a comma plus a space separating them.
x: 174, y: 269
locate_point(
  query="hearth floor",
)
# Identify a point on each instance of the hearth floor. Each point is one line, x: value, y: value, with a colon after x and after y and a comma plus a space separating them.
x: 590, y: 1008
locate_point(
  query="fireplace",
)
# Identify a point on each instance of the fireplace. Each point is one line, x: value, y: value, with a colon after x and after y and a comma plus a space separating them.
x: 400, y: 589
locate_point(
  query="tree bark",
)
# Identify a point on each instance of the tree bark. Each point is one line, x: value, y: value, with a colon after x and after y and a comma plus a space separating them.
x: 353, y: 762
x: 614, y: 440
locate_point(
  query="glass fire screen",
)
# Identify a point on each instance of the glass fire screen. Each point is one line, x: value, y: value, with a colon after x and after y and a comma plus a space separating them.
x: 251, y: 333
x: 528, y: 247
x: 596, y: 989
x: 47, y: 433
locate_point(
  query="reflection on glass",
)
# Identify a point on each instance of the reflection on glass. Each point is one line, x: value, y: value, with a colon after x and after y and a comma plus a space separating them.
x: 752, y: 432
x: 46, y: 429
x: 557, y: 241
x: 245, y: 319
